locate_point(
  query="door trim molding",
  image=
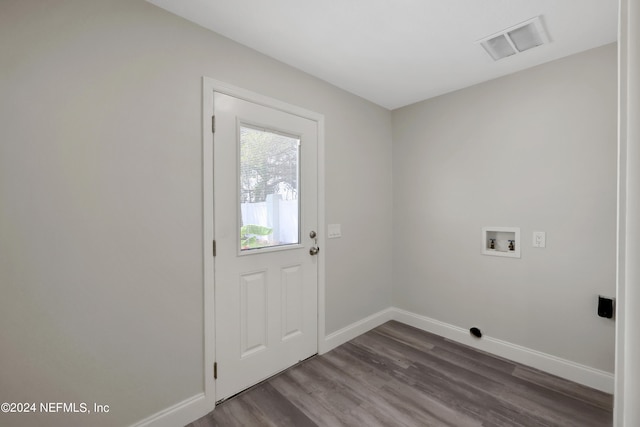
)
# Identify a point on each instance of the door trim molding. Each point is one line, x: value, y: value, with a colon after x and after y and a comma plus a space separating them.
x: 209, y: 86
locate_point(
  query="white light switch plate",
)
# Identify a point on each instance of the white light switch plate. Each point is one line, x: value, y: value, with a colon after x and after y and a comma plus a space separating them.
x: 334, y: 231
x: 539, y: 239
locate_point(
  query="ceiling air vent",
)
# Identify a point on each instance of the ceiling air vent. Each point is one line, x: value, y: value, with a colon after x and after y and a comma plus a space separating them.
x: 516, y: 39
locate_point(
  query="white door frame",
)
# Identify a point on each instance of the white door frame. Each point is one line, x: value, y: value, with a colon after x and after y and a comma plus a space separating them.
x: 209, y: 86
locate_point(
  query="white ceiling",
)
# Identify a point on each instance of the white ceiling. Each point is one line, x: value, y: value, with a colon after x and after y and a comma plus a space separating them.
x: 397, y: 52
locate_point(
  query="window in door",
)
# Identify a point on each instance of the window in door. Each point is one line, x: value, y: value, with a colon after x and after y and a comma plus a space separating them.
x: 269, y: 188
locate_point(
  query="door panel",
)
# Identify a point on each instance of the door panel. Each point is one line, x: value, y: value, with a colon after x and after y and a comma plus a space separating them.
x: 265, y: 206
x: 253, y: 313
x: 292, y: 302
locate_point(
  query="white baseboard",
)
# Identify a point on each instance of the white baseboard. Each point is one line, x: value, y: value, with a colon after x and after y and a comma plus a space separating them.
x: 197, y: 406
x: 350, y: 332
x: 581, y: 374
x: 180, y: 414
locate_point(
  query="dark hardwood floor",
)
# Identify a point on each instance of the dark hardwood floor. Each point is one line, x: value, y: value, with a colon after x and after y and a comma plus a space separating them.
x: 397, y: 375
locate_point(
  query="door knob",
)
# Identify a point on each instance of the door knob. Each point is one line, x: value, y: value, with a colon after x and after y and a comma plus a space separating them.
x: 314, y: 249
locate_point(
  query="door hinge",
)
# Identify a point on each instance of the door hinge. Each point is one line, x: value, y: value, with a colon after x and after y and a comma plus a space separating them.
x: 215, y: 370
x: 214, y: 248
x: 213, y: 124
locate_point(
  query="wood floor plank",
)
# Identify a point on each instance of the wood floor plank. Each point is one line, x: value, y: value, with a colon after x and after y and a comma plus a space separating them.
x: 344, y: 359
x: 397, y: 375
x: 593, y: 397
x: 273, y: 409
x: 417, y: 341
x: 306, y: 401
x: 425, y: 408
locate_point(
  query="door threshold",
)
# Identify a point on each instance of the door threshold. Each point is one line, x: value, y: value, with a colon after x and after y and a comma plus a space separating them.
x: 265, y: 380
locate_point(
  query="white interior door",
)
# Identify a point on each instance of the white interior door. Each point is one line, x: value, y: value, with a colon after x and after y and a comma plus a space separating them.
x: 265, y: 271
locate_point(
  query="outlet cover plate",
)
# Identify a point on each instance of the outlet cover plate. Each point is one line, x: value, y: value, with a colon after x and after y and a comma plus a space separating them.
x: 539, y: 239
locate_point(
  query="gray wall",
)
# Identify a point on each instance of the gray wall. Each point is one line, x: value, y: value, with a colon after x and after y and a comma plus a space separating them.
x: 101, y: 207
x: 535, y: 150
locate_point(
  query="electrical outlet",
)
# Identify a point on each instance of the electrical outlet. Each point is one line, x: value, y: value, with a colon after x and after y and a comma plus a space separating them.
x: 539, y: 239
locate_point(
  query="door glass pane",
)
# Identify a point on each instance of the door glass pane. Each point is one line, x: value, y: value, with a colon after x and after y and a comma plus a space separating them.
x: 269, y: 188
